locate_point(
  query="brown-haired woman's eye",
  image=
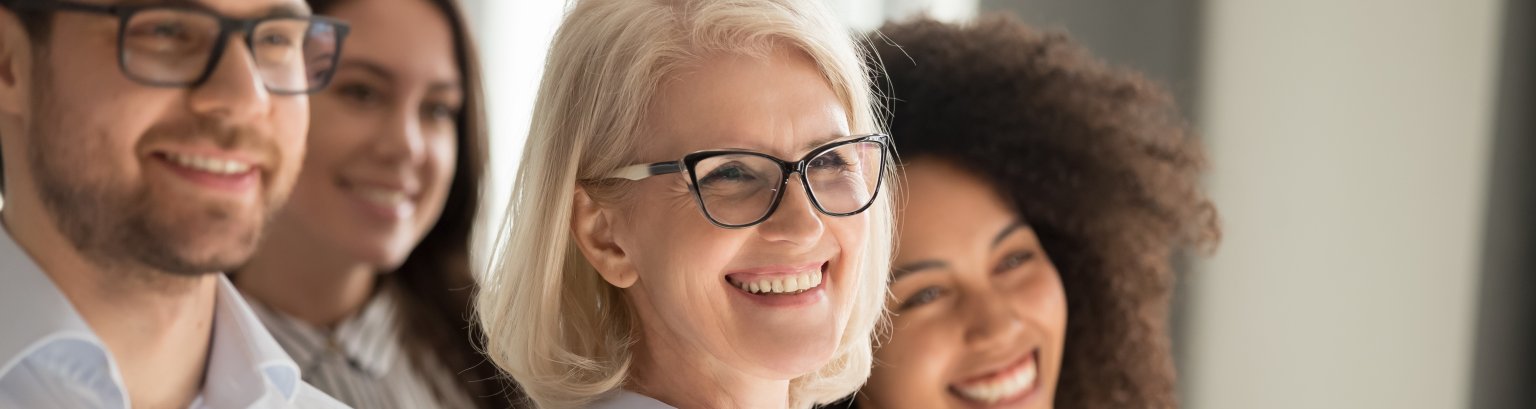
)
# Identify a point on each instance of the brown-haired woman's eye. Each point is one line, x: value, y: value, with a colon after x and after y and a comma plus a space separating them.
x: 440, y: 112
x: 359, y: 93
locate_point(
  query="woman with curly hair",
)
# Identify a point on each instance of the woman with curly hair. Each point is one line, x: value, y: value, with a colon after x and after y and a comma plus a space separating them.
x: 1045, y: 196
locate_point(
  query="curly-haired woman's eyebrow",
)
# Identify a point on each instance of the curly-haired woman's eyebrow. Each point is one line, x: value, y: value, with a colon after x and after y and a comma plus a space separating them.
x: 917, y: 267
x: 1009, y: 230
x: 933, y: 264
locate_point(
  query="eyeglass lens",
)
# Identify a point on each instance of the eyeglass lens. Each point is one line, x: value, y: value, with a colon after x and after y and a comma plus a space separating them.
x: 739, y: 189
x: 170, y: 46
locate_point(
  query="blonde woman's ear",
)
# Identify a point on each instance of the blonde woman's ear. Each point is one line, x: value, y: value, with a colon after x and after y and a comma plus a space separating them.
x: 592, y: 228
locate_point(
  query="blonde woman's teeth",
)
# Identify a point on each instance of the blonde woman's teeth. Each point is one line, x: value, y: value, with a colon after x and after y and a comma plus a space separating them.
x: 209, y: 165
x: 789, y: 284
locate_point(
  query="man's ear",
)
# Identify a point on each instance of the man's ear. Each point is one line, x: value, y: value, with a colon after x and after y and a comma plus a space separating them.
x: 15, y: 64
x: 592, y: 227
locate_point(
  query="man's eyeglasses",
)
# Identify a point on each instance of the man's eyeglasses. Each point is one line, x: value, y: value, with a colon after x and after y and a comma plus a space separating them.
x: 738, y: 189
x: 179, y: 46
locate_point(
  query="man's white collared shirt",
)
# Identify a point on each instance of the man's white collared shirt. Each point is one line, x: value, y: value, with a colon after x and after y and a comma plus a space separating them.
x: 50, y: 358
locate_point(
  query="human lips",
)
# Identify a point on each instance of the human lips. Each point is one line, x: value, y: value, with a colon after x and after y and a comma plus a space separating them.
x: 1008, y: 384
x: 788, y: 280
x: 393, y: 200
x: 212, y: 169
x: 782, y: 286
x: 209, y: 164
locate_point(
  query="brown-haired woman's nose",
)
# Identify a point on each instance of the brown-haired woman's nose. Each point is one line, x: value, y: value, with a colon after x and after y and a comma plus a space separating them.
x: 403, y: 141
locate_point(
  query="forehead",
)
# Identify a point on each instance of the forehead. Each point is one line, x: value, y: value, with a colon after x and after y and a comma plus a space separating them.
x: 411, y: 37
x: 775, y: 104
x: 229, y: 8
x: 947, y: 206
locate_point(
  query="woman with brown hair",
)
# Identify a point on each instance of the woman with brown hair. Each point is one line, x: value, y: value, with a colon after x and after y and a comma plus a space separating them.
x: 365, y: 277
x: 1045, y: 195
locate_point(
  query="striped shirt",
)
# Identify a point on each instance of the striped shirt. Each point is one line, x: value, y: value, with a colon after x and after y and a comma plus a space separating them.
x: 362, y: 362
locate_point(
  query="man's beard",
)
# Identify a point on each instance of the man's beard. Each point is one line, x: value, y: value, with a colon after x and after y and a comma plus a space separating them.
x: 115, y: 222
x: 114, y: 228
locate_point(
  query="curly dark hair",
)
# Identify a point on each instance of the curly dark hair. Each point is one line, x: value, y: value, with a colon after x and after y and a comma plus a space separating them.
x: 1097, y: 160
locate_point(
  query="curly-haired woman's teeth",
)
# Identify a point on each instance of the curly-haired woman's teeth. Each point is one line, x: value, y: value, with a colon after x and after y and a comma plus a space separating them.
x: 1013, y: 384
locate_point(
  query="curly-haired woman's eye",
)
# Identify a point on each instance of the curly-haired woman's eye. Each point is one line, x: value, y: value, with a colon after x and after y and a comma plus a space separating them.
x: 921, y: 297
x: 1013, y: 261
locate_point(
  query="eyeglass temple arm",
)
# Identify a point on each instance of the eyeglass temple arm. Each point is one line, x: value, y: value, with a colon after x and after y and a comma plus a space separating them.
x: 645, y: 170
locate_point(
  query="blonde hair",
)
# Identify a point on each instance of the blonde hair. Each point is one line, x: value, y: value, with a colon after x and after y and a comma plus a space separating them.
x: 551, y: 321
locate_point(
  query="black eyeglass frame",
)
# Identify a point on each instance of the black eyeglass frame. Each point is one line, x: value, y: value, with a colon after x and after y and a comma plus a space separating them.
x: 227, y: 25
x: 687, y: 163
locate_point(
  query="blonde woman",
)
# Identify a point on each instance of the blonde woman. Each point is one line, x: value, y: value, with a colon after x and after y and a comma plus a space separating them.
x: 698, y: 220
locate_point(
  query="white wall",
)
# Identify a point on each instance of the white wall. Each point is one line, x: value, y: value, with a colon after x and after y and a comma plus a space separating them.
x: 1349, y: 140
x: 514, y: 38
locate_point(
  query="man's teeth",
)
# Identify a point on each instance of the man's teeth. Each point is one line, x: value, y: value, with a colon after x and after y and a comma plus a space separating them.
x: 1007, y: 387
x: 782, y: 284
x: 384, y: 197
x: 209, y: 165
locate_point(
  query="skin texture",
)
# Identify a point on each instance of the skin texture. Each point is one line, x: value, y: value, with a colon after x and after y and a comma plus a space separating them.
x: 703, y: 342
x: 385, y: 126
x: 126, y: 236
x: 974, y: 293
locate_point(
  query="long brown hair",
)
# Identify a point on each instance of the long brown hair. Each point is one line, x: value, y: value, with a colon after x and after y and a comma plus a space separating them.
x: 435, y: 283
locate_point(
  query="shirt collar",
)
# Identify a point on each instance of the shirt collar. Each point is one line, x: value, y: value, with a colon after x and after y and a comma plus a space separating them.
x: 34, y: 310
x: 242, y: 352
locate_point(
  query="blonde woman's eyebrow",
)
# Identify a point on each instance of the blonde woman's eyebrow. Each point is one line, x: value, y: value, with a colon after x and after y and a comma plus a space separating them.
x: 808, y: 146
x: 822, y: 141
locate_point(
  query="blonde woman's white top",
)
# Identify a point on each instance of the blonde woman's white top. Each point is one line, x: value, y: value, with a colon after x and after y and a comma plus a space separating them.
x: 623, y: 399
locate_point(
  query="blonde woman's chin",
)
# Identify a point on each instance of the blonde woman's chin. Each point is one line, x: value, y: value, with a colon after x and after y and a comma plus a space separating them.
x: 790, y: 320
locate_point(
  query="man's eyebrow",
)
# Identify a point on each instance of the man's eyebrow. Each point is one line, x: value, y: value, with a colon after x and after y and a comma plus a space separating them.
x: 173, y: 3
x: 299, y: 9
x: 295, y: 9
